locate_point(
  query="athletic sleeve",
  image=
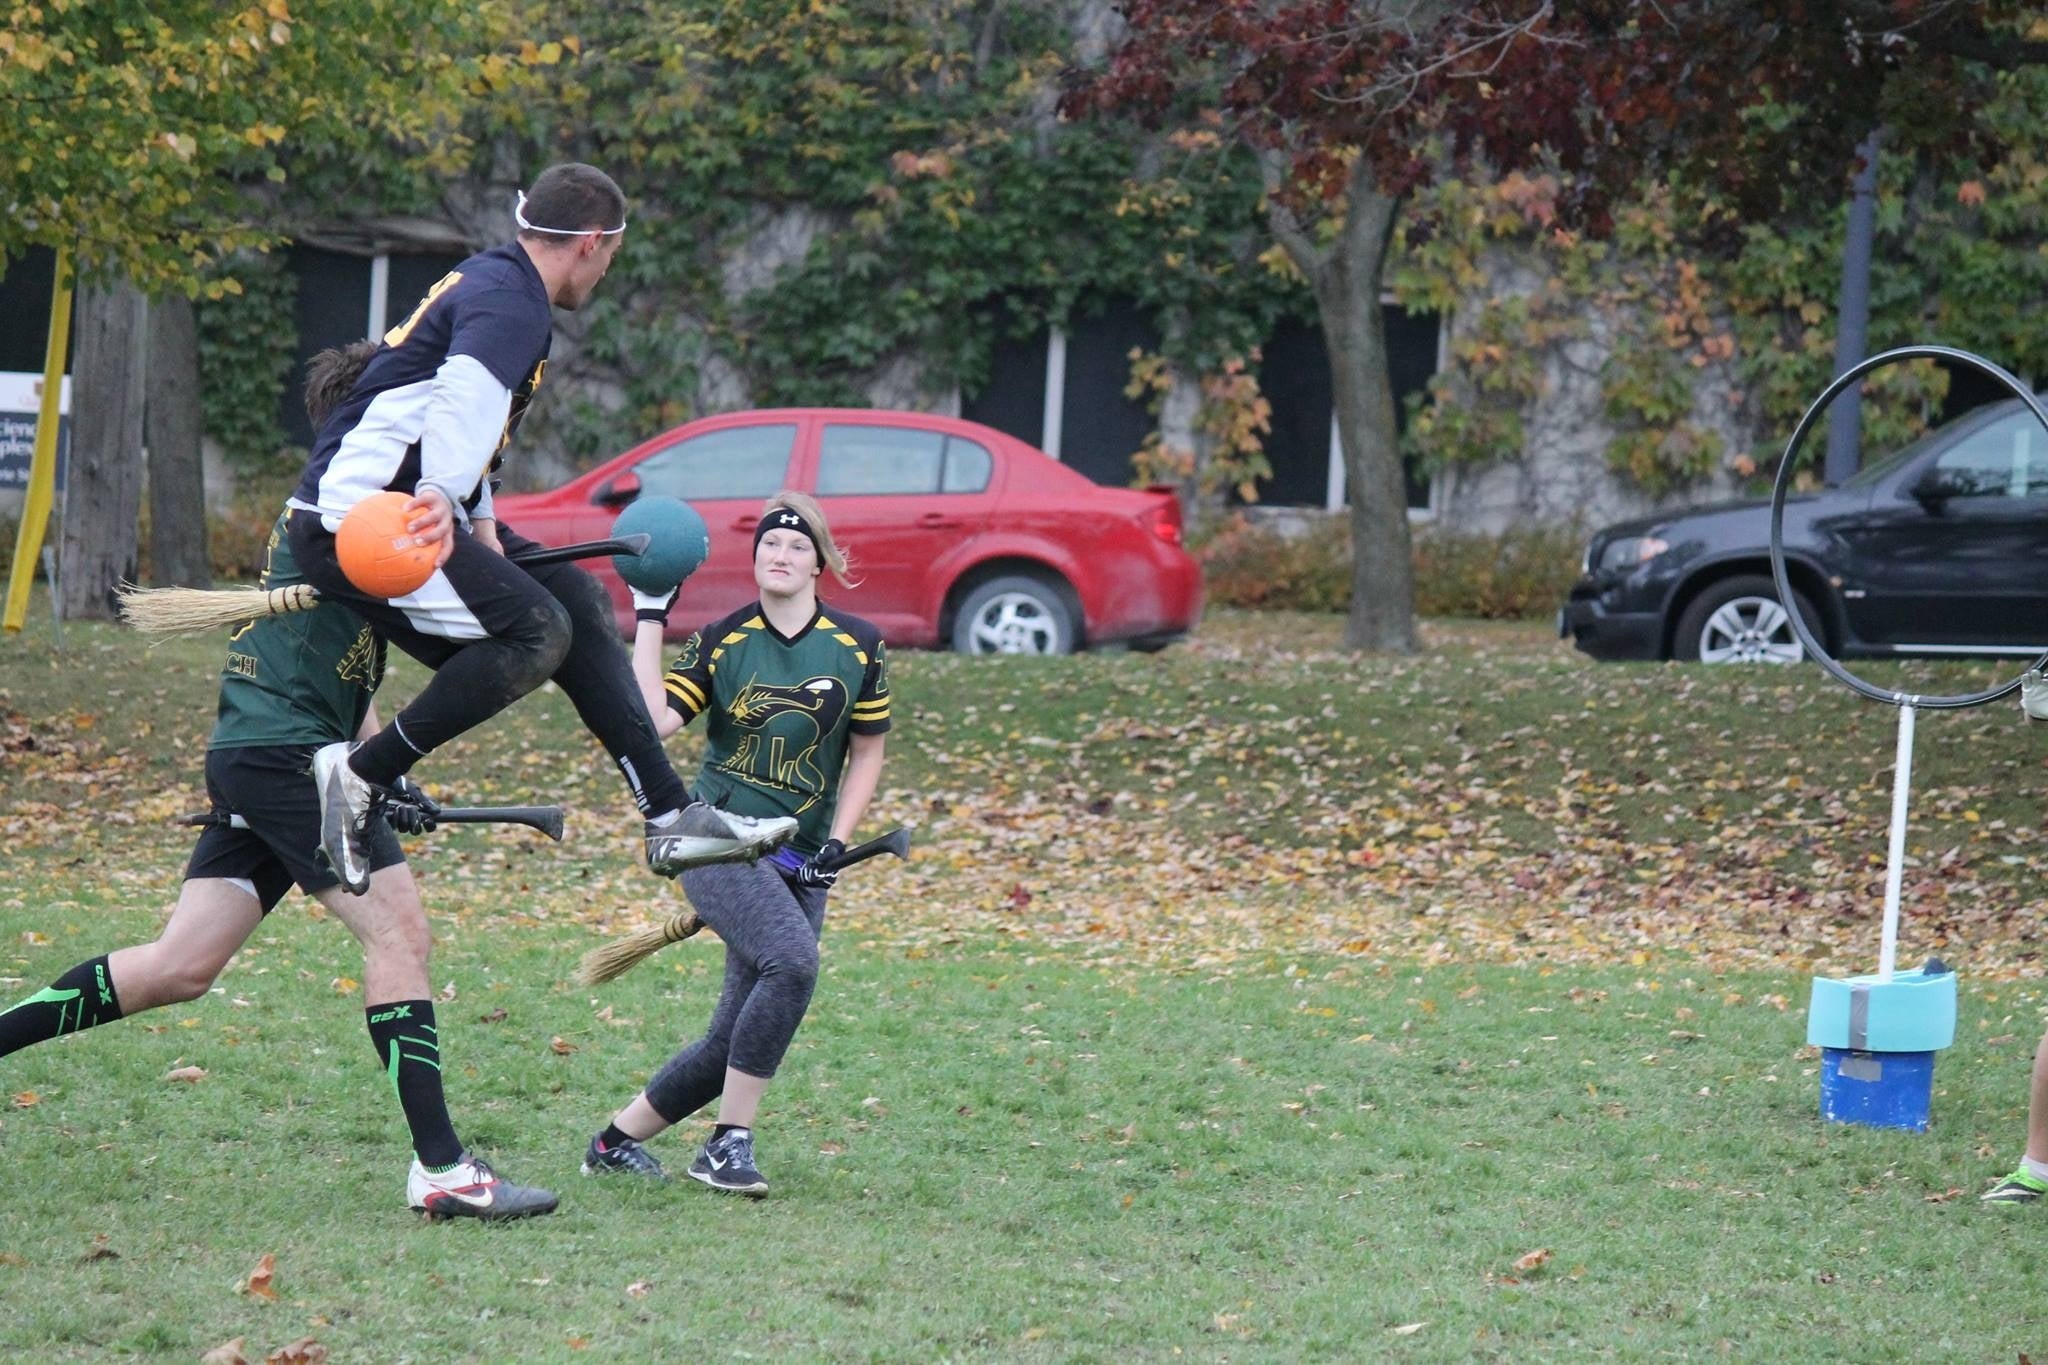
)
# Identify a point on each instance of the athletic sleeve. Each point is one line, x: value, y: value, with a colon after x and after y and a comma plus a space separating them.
x: 871, y: 707
x: 466, y: 412
x: 688, y: 680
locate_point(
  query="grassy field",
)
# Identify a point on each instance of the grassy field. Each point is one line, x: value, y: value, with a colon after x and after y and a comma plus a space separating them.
x: 1247, y: 1001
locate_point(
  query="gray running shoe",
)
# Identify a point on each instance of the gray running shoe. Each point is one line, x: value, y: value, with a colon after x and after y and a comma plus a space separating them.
x: 702, y: 835
x: 345, y: 803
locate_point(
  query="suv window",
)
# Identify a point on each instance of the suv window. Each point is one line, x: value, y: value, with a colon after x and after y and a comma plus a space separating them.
x: 735, y: 462
x: 857, y: 460
x: 2006, y: 459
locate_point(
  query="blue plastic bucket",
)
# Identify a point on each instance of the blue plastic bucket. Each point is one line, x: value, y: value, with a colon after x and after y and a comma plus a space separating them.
x: 1876, y: 1089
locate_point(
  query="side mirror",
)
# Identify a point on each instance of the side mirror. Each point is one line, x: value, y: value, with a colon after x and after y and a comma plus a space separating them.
x: 1937, y: 486
x: 618, y: 490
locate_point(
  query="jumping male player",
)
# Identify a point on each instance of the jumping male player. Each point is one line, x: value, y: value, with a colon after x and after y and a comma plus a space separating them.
x: 434, y: 408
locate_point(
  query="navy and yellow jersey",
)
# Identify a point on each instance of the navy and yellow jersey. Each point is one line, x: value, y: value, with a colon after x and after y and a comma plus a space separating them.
x: 301, y: 678
x: 439, y: 400
x: 780, y: 711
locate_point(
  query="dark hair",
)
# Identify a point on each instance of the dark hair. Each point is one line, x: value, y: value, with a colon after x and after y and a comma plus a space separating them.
x: 573, y: 197
x: 332, y: 373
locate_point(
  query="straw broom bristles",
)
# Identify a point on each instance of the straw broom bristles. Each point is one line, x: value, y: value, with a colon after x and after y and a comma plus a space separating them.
x: 190, y: 611
x: 615, y: 959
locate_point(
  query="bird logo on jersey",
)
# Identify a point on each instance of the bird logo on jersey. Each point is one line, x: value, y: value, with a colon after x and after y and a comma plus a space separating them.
x: 363, y: 664
x: 783, y: 725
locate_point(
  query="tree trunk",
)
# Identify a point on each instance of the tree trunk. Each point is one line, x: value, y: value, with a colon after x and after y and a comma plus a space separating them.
x: 1845, y: 414
x: 177, y: 488
x: 1345, y: 277
x: 103, y: 485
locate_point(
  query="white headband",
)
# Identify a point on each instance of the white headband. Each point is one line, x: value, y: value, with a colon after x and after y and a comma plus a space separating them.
x: 519, y: 217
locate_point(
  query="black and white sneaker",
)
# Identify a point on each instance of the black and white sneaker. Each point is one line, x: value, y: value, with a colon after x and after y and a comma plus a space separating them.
x: 628, y: 1158
x: 345, y: 804
x: 702, y: 835
x: 727, y: 1163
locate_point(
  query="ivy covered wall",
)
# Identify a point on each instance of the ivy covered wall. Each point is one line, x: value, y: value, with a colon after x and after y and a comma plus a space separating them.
x: 843, y: 202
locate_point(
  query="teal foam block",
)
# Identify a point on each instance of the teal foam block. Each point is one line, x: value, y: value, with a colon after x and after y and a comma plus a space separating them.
x: 1913, y: 1012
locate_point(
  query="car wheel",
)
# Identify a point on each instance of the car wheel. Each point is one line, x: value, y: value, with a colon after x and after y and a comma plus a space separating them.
x: 1014, y: 615
x: 1740, y: 621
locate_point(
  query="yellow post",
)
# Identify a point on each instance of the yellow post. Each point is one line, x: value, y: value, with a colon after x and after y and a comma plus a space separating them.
x: 42, y: 469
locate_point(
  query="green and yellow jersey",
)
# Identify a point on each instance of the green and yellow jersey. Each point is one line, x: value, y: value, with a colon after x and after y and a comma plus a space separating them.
x: 301, y: 678
x: 780, y: 711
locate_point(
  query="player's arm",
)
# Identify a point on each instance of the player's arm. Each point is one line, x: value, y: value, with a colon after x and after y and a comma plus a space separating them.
x: 466, y: 412
x: 370, y: 725
x: 867, y: 733
x: 495, y: 340
x: 647, y: 673
x: 857, y: 784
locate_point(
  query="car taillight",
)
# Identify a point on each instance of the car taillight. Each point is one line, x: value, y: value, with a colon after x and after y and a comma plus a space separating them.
x: 1165, y: 521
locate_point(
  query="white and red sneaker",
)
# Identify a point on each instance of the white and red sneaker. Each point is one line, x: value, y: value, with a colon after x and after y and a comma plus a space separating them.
x: 471, y: 1189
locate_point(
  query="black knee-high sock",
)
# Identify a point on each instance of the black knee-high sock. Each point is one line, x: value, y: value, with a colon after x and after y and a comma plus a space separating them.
x: 409, y: 1046
x: 80, y: 999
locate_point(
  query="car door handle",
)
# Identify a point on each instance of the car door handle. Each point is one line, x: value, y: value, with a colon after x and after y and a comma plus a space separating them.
x: 937, y: 521
x: 744, y: 523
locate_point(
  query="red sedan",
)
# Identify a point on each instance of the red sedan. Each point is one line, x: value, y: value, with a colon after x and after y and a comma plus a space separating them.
x: 960, y: 535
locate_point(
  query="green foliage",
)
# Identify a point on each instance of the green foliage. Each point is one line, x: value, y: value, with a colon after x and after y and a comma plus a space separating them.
x: 245, y: 359
x: 1684, y: 291
x: 1246, y: 565
x: 905, y: 158
x: 139, y: 130
x: 1231, y: 424
x: 1522, y: 573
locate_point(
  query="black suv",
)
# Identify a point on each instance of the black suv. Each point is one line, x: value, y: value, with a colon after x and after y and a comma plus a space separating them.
x: 1940, y: 548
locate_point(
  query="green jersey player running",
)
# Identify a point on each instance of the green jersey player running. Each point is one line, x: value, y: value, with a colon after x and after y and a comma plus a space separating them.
x: 292, y: 683
x: 795, y: 696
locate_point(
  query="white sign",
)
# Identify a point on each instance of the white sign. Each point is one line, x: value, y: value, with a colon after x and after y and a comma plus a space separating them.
x: 21, y: 400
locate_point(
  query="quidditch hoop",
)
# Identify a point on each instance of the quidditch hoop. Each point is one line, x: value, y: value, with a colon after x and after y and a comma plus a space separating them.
x: 1791, y: 459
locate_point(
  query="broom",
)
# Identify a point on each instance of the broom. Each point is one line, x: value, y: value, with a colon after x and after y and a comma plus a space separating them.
x: 614, y: 960
x: 193, y: 611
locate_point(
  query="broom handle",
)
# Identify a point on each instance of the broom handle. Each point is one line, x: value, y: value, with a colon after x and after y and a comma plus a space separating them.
x: 635, y: 544
x: 896, y: 841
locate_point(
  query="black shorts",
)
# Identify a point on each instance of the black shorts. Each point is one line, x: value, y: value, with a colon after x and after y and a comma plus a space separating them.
x: 271, y: 788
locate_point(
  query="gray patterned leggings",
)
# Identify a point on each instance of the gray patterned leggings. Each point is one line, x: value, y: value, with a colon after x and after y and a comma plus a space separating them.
x: 770, y: 927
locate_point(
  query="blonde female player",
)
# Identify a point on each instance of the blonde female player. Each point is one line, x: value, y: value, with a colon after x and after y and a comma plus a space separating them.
x: 796, y: 696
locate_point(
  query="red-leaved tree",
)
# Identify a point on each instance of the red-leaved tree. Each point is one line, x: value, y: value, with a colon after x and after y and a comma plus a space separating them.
x: 1350, y: 105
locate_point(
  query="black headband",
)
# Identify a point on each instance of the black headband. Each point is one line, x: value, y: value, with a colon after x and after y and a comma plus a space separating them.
x: 786, y: 519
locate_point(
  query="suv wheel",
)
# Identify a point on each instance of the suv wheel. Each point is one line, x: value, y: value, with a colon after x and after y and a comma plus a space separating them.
x: 1740, y: 621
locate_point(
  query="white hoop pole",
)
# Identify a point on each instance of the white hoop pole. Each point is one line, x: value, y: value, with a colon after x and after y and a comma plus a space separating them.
x: 1902, y: 781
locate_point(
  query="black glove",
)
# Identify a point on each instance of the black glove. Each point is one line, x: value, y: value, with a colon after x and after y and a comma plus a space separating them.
x: 409, y: 809
x: 822, y: 870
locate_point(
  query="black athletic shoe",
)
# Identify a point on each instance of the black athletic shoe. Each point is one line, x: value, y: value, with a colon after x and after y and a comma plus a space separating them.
x: 727, y: 1163
x: 628, y: 1158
